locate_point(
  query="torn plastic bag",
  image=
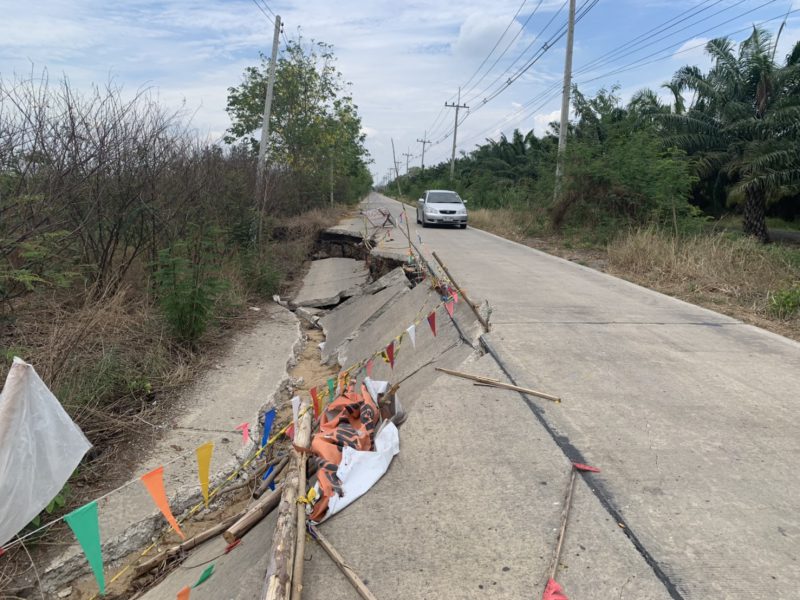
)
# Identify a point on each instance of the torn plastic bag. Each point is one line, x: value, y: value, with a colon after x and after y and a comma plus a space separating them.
x: 40, y: 447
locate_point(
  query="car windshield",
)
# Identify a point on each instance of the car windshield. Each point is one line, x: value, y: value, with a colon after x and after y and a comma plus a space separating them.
x: 443, y: 198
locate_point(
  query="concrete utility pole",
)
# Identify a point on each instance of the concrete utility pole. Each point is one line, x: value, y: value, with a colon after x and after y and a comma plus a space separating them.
x: 562, y: 131
x: 262, y: 147
x: 396, y: 170
x: 407, y: 155
x: 423, y: 141
x: 457, y: 106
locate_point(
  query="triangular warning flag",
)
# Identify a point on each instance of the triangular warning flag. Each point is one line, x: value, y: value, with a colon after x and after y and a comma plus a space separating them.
x: 583, y: 467
x: 269, y: 419
x: 553, y: 591
x: 245, y: 429
x: 85, y: 525
x: 331, y: 389
x: 315, y: 402
x: 154, y: 482
x: 412, y: 334
x: 290, y: 432
x: 449, y: 307
x: 432, y: 322
x: 390, y: 353
x: 370, y: 364
x: 455, y: 296
x: 184, y: 593
x: 204, y: 467
x: 207, y: 572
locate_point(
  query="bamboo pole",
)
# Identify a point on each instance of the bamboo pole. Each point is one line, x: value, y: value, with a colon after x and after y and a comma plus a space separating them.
x: 263, y: 485
x: 346, y: 569
x: 563, y: 529
x: 303, y: 440
x: 192, y: 542
x: 500, y: 384
x: 471, y: 304
x: 253, y: 515
x: 278, y: 580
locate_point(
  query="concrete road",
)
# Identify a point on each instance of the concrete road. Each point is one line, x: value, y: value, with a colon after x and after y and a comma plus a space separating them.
x: 691, y: 415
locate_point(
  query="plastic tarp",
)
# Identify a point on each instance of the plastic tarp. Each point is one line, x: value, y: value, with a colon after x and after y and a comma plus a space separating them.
x: 40, y: 447
x: 353, y: 449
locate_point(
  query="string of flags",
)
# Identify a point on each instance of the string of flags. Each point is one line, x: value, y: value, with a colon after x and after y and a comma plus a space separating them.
x: 84, y: 521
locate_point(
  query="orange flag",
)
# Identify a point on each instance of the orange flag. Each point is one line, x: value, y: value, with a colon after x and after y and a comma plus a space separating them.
x: 316, y: 402
x: 184, y: 593
x: 154, y: 482
x: 204, y: 467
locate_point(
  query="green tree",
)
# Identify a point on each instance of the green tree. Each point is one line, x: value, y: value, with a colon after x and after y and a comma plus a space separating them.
x: 742, y: 128
x: 315, y: 130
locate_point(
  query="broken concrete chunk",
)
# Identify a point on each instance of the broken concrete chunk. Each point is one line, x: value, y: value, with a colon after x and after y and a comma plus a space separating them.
x: 393, y: 277
x: 330, y: 280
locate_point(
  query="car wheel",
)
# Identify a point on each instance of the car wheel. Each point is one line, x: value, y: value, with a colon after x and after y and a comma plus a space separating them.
x: 463, y: 226
x: 417, y: 218
x: 424, y: 222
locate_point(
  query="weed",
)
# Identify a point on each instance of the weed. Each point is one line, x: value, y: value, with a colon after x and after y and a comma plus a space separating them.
x: 784, y: 304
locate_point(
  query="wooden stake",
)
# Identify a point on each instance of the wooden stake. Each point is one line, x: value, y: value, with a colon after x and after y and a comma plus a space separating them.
x: 192, y: 542
x: 471, y: 304
x: 499, y: 384
x: 303, y: 440
x: 351, y: 575
x: 563, y: 530
x: 278, y: 581
x: 253, y: 515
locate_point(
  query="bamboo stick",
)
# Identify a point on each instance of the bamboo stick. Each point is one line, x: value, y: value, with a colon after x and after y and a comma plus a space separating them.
x: 563, y: 529
x: 346, y: 569
x: 499, y: 384
x: 303, y: 440
x: 278, y: 580
x: 263, y: 485
x: 253, y: 515
x: 192, y: 542
x: 471, y: 304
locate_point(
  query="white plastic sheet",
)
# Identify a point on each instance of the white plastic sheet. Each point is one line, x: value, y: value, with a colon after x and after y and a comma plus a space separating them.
x: 40, y: 447
x: 359, y: 471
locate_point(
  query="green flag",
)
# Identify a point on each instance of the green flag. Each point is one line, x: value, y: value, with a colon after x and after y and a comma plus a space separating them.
x: 84, y: 524
x: 331, y: 390
x: 205, y: 575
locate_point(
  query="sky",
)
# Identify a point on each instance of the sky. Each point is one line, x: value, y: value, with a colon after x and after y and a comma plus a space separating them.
x: 404, y: 60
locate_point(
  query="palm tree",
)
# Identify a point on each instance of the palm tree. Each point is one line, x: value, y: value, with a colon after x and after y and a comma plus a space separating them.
x: 742, y: 125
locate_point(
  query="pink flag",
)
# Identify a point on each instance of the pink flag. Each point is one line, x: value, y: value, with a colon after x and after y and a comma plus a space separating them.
x: 449, y: 307
x: 432, y: 322
x: 553, y: 591
x: 370, y: 364
x: 245, y: 429
x: 390, y: 353
x: 582, y: 467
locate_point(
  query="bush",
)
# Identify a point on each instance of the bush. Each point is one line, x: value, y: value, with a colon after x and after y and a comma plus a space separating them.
x: 187, y: 287
x: 784, y: 304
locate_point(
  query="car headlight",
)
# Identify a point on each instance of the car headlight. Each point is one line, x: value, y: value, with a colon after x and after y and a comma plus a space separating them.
x: 461, y: 211
x: 431, y: 211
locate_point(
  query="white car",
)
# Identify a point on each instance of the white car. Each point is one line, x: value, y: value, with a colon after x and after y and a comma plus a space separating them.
x: 441, y: 207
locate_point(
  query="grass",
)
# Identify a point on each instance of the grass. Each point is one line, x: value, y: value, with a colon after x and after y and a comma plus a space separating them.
x: 112, y: 361
x: 720, y: 270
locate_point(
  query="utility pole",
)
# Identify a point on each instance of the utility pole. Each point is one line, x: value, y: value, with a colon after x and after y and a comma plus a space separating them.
x: 457, y: 106
x: 396, y: 170
x: 423, y: 141
x: 562, y: 130
x: 262, y: 147
x: 407, y: 155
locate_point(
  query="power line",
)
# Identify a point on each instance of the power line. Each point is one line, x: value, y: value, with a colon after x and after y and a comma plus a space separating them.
x: 506, y: 49
x: 264, y: 12
x: 497, y: 43
x: 521, y: 54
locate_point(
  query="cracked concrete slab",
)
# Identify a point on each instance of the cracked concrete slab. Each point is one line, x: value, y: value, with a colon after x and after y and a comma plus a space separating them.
x: 329, y: 280
x: 470, y: 508
x: 244, y: 381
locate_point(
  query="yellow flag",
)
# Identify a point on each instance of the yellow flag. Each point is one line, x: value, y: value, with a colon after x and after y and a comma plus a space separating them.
x: 204, y: 466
